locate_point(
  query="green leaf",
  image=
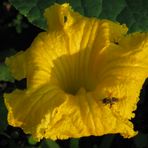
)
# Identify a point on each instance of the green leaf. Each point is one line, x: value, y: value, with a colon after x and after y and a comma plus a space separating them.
x: 33, y: 10
x: 112, y: 8
x: 133, y: 13
x: 92, y: 8
x: 31, y: 140
x: 49, y: 144
x: 5, y: 74
x: 74, y: 143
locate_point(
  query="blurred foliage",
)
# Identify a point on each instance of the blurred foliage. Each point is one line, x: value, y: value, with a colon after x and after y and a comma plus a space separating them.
x: 31, y: 140
x: 18, y: 23
x: 74, y: 143
x: 15, y: 30
x: 49, y: 144
x: 5, y: 74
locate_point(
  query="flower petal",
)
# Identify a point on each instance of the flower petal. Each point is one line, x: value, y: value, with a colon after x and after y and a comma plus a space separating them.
x: 79, y: 74
x: 30, y: 115
x: 60, y: 17
x: 123, y: 72
x: 17, y: 64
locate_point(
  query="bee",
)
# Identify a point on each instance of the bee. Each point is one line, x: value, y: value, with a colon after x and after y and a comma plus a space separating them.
x: 116, y: 43
x: 110, y: 101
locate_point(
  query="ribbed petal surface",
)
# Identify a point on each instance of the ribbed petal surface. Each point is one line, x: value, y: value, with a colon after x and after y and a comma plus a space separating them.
x: 84, y: 77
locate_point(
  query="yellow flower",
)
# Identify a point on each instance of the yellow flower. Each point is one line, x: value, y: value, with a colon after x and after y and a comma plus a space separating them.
x: 84, y: 77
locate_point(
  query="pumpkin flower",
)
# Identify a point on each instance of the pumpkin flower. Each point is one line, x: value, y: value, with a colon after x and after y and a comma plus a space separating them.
x: 84, y: 77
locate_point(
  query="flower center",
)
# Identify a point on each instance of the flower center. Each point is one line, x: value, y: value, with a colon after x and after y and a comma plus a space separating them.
x: 72, y: 72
